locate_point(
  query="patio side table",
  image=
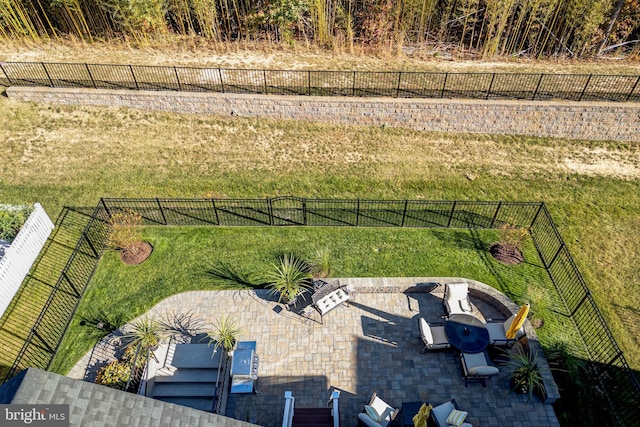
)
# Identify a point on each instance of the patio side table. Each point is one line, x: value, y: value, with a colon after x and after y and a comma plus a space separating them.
x: 408, y: 411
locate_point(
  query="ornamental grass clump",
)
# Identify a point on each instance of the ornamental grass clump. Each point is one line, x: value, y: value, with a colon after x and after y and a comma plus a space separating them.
x: 125, y: 234
x: 224, y: 333
x: 290, y: 277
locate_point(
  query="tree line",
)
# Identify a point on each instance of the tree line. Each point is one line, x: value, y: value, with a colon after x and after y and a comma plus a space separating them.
x: 535, y: 28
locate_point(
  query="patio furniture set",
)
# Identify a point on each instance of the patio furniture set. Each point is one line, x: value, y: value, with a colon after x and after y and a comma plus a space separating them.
x: 463, y: 331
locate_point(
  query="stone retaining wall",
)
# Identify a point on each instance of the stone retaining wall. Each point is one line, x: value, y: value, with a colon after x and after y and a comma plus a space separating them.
x: 579, y: 120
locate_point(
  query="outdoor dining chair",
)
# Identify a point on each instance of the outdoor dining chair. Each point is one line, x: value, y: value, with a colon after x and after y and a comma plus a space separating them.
x: 433, y: 336
x: 456, y: 299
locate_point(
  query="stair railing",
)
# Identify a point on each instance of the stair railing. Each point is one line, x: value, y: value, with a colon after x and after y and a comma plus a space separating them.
x: 333, y: 401
x: 287, y: 419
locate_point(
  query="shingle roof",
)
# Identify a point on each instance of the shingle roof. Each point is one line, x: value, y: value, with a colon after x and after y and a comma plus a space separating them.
x: 99, y: 406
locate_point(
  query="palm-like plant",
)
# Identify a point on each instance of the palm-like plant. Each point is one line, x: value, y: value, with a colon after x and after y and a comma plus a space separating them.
x: 289, y: 278
x: 224, y: 333
x: 145, y: 331
x: 522, y: 365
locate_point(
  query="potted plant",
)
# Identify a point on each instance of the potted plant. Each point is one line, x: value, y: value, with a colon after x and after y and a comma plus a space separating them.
x: 125, y: 236
x: 146, y: 332
x: 522, y: 367
x: 289, y: 278
x: 224, y: 334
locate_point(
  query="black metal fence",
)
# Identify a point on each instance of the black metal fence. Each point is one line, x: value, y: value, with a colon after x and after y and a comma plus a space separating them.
x: 45, y: 336
x: 609, y: 370
x: 399, y: 84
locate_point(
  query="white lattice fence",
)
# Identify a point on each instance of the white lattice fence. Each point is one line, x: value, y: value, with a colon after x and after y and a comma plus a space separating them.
x: 20, y: 256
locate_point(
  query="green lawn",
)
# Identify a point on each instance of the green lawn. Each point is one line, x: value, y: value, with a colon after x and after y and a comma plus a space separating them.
x: 184, y: 256
x: 67, y: 155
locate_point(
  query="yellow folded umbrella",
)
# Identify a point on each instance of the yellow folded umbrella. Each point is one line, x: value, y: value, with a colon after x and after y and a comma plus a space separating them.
x: 518, y: 321
x: 420, y: 419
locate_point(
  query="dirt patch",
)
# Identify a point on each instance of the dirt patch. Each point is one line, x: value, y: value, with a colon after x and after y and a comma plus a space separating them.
x: 137, y: 254
x: 506, y: 253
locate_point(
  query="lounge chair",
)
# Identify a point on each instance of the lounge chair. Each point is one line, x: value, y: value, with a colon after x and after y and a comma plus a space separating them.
x: 456, y: 299
x: 440, y: 413
x: 377, y: 413
x: 477, y: 367
x: 433, y: 336
x: 498, y: 330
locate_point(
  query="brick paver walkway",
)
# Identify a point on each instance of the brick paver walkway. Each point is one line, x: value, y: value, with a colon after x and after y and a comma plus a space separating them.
x: 372, y: 345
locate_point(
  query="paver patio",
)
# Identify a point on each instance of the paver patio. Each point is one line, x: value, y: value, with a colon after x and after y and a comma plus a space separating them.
x: 371, y: 345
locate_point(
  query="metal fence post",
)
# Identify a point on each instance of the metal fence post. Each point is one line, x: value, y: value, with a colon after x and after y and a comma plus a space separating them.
x: 86, y: 237
x: 264, y: 76
x: 584, y: 89
x: 495, y: 215
x: 353, y: 84
x: 535, y: 92
x: 490, y: 86
x: 398, y: 85
x: 304, y: 211
x: 93, y: 82
x: 221, y: 80
x: 106, y: 209
x: 309, y: 81
x: 175, y: 70
x: 453, y: 208
x: 404, y: 212
x: 635, y: 85
x: 164, y: 219
x: 215, y: 211
x: 134, y: 77
x: 444, y: 84
x: 47, y: 73
x: 9, y: 78
x: 358, y: 213
x: 270, y: 205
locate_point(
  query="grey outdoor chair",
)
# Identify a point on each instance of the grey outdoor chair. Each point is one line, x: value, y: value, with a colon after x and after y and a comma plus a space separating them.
x: 433, y: 336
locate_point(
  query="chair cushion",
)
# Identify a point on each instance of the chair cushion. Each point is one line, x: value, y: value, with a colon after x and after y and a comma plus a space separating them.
x: 483, y: 371
x: 456, y: 417
x: 372, y: 413
x: 472, y: 360
x: 441, y: 412
x: 385, y: 411
x: 457, y: 291
x: 366, y: 420
x: 425, y: 332
x: 439, y: 335
x: 496, y: 331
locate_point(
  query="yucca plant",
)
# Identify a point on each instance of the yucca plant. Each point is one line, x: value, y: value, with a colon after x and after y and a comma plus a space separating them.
x: 146, y: 332
x: 289, y: 278
x: 224, y: 333
x: 522, y: 366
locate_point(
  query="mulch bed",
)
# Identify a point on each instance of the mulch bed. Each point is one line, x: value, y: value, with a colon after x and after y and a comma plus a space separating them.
x: 137, y: 254
x: 506, y: 253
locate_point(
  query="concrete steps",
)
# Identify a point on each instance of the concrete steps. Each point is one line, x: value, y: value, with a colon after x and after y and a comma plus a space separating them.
x: 187, y: 389
x: 189, y: 376
x: 193, y: 356
x: 312, y: 417
x: 202, y: 404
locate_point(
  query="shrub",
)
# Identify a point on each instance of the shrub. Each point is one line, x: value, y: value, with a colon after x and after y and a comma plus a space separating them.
x: 125, y: 231
x: 513, y: 235
x: 115, y: 375
x: 11, y: 220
